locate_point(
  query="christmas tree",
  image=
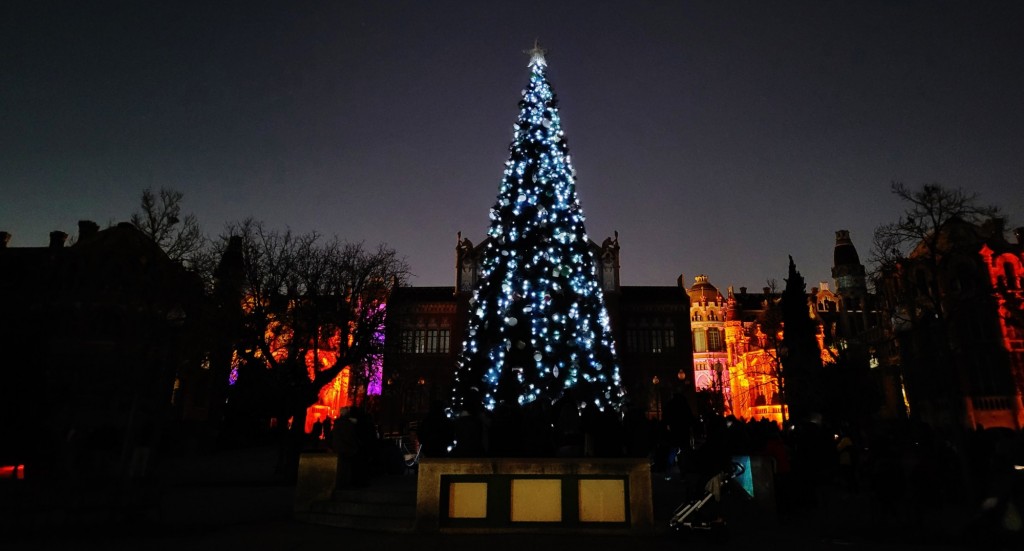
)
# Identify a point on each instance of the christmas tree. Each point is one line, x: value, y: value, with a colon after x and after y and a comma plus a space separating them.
x: 538, y: 329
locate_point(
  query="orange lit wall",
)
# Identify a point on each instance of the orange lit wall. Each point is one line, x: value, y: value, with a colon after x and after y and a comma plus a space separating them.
x: 334, y: 395
x: 755, y: 387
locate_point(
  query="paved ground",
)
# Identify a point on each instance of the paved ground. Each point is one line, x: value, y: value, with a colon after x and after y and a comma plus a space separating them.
x: 221, y: 512
x: 283, y: 534
x: 257, y: 518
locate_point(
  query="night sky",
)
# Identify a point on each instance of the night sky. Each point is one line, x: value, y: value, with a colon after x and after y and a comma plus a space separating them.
x: 715, y: 137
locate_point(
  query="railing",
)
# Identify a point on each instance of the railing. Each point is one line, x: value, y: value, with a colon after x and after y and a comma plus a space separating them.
x: 773, y: 411
x: 988, y: 403
x: 767, y: 410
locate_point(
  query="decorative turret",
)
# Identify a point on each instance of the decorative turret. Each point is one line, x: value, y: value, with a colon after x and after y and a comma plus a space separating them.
x: 851, y: 286
x: 848, y: 272
x: 703, y: 291
x: 734, y: 341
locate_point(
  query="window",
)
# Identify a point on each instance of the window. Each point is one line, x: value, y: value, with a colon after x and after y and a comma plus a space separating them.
x: 650, y: 341
x: 714, y: 340
x: 425, y: 341
x: 700, y: 342
x: 662, y: 340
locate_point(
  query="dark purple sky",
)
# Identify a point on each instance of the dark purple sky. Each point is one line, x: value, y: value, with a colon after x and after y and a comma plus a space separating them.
x: 715, y: 137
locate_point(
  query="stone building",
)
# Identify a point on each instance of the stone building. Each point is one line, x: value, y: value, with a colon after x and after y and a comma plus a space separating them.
x: 425, y: 327
x: 958, y: 316
x: 738, y: 344
x: 93, y: 335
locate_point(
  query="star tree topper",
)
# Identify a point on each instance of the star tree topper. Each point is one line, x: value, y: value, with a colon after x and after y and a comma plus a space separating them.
x: 537, y: 54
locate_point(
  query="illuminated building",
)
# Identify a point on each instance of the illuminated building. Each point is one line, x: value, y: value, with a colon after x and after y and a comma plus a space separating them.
x: 425, y: 329
x: 735, y: 340
x: 963, y: 364
x: 711, y: 361
x: 737, y: 344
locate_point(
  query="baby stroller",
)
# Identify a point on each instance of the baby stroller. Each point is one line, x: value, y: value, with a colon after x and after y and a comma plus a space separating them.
x: 689, y: 518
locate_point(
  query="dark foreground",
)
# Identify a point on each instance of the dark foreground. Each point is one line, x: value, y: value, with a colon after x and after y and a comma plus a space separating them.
x: 285, y: 534
x: 258, y: 517
x: 230, y: 502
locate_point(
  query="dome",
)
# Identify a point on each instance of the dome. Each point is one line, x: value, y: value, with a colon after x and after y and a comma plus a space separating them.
x: 703, y: 291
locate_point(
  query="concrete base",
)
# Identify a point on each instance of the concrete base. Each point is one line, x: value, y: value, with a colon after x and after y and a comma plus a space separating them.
x: 317, y: 473
x: 495, y: 479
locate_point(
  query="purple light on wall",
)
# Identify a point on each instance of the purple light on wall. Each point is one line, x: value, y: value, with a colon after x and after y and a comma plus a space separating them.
x: 375, y: 375
x: 375, y: 362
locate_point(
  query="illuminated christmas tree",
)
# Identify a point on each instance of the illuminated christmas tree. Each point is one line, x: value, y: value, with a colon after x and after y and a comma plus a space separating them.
x: 537, y: 322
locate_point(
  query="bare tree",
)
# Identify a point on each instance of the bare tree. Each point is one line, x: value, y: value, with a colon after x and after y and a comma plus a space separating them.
x: 918, y: 235
x: 918, y: 232
x: 182, y: 239
x: 909, y: 256
x: 310, y: 308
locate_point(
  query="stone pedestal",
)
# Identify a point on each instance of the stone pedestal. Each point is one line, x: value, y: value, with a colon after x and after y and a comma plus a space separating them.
x: 534, y: 495
x: 317, y: 472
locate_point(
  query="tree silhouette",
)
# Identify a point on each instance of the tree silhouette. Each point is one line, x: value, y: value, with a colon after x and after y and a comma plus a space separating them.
x: 802, y: 358
x: 309, y: 308
x: 918, y: 233
x: 160, y: 218
x: 910, y: 255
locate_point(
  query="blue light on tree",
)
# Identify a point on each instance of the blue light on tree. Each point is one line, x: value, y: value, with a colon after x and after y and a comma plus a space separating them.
x: 538, y: 323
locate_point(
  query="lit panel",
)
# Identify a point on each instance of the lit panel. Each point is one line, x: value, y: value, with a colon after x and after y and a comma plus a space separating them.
x: 467, y: 500
x: 536, y: 500
x: 602, y: 500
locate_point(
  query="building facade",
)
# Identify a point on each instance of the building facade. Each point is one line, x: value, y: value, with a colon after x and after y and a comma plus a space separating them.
x: 426, y: 325
x: 958, y: 318
x: 94, y: 335
x: 738, y: 345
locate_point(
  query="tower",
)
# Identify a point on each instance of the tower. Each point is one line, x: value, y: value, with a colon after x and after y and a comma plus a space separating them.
x: 851, y: 284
